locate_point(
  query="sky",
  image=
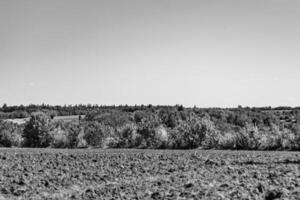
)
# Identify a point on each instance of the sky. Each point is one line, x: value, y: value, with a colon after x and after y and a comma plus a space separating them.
x: 208, y: 53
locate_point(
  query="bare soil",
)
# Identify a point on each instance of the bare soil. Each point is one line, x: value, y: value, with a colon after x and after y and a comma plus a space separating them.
x: 148, y: 174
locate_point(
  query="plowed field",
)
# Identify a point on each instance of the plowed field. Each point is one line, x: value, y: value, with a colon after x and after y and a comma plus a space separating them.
x: 148, y: 174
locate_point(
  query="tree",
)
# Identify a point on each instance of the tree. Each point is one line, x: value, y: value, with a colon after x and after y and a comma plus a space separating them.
x: 37, y: 131
x: 4, y: 107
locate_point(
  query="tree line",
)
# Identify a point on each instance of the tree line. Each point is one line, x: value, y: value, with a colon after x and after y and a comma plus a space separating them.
x: 155, y: 127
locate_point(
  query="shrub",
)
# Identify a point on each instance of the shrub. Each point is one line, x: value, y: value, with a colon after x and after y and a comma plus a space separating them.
x: 180, y: 137
x: 59, y: 138
x: 209, y: 134
x: 95, y: 133
x: 249, y: 138
x: 36, y: 131
x: 272, y: 139
x: 253, y: 136
x: 296, y: 131
x: 192, y: 133
x: 125, y: 137
x: 245, y: 138
x: 110, y: 142
x: 67, y: 135
x: 75, y: 134
x: 211, y: 140
x: 150, y: 134
x: 10, y: 134
x: 81, y: 142
x: 146, y: 131
x: 289, y: 140
x: 227, y: 140
x: 162, y: 136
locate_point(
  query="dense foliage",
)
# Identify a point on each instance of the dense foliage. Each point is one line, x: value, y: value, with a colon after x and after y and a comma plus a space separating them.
x: 173, y: 127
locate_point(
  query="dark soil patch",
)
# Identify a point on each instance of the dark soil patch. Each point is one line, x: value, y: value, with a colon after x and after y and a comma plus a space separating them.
x: 148, y: 174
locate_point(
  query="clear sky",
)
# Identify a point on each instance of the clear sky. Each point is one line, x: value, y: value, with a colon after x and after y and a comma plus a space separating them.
x: 209, y: 53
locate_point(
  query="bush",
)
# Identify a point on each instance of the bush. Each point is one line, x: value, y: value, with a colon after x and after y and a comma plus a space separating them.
x: 179, y: 137
x: 10, y: 134
x: 37, y: 131
x: 95, y: 133
x: 238, y: 140
x: 296, y: 131
x: 272, y: 139
x: 151, y: 134
x: 67, y: 135
x: 81, y: 142
x: 125, y: 137
x: 162, y: 136
x: 192, y: 133
x: 249, y: 138
x: 289, y: 140
x: 59, y: 138
x: 208, y: 134
x: 147, y: 135
x: 211, y: 140
x: 246, y: 138
x: 75, y: 134
x: 227, y: 140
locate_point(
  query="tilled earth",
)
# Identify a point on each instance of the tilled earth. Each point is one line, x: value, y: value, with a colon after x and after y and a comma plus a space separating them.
x: 148, y: 174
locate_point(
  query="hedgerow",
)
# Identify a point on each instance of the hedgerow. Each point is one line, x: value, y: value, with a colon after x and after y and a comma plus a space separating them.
x: 158, y: 128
